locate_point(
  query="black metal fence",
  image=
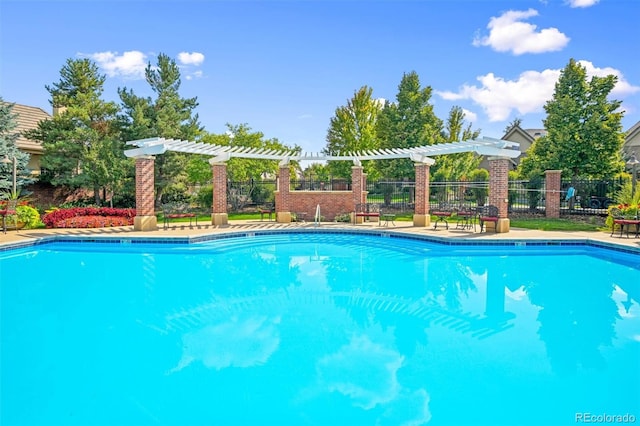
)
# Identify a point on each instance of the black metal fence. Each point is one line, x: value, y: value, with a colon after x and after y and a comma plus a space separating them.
x: 591, y: 197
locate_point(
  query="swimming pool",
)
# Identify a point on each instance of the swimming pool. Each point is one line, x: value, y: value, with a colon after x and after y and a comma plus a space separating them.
x: 317, y: 329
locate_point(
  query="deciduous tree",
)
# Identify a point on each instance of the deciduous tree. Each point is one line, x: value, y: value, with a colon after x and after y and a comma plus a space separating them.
x: 352, y: 129
x: 584, y: 128
x: 453, y: 167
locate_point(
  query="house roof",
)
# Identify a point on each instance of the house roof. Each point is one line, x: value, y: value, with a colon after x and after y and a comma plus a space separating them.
x: 632, y: 132
x: 27, y: 118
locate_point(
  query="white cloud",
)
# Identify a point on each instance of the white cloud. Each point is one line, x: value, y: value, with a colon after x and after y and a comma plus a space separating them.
x: 469, y: 115
x: 129, y: 65
x: 195, y: 74
x: 582, y: 3
x: 622, y: 87
x: 498, y: 97
x: 193, y: 58
x: 508, y: 33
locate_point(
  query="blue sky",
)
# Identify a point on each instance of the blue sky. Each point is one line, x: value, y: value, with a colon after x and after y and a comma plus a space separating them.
x: 283, y: 67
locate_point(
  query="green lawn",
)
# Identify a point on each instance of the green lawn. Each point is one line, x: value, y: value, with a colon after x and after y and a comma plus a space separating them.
x: 544, y: 224
x: 541, y: 224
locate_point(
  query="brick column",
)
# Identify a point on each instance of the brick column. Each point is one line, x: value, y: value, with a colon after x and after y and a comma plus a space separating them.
x: 357, y: 186
x: 421, y: 216
x: 499, y: 190
x: 553, y: 179
x: 219, y: 214
x: 357, y: 196
x: 283, y: 195
x: 145, y: 219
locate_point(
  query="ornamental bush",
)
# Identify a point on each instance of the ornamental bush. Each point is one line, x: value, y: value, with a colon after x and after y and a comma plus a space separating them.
x: 88, y: 217
x: 29, y: 216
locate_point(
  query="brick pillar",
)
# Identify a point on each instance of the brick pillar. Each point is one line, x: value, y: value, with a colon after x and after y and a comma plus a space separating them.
x: 553, y: 179
x: 283, y: 195
x: 421, y: 215
x: 145, y: 219
x: 499, y: 190
x: 357, y: 196
x: 219, y: 214
x: 357, y: 181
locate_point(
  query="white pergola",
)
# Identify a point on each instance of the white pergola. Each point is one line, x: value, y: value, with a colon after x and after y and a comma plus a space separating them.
x: 500, y: 153
x: 422, y: 154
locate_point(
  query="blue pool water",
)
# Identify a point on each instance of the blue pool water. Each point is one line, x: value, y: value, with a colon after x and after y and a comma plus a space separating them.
x: 317, y: 329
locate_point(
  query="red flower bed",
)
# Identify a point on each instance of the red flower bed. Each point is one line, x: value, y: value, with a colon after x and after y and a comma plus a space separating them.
x: 88, y: 217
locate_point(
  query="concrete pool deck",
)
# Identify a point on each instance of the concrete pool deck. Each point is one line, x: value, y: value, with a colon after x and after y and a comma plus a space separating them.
x: 181, y: 230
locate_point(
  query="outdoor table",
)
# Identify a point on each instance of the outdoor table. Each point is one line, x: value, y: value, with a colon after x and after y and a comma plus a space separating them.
x: 466, y: 219
x: 386, y: 217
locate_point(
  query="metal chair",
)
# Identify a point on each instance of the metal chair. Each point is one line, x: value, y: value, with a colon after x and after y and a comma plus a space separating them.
x: 9, y: 211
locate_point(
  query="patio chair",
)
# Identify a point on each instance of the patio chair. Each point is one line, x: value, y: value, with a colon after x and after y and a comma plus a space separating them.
x: 9, y: 211
x: 622, y: 222
x: 488, y: 214
x: 442, y: 213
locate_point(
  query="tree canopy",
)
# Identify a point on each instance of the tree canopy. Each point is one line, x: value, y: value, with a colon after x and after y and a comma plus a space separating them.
x: 457, y: 166
x: 584, y: 129
x: 82, y: 145
x: 168, y: 115
x: 406, y: 123
x: 9, y: 150
x: 353, y: 128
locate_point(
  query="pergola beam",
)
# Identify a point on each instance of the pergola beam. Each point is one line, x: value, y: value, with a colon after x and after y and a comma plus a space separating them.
x: 484, y: 146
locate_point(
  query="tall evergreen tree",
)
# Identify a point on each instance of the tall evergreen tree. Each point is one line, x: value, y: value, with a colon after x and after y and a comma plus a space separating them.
x: 407, y: 123
x: 353, y: 128
x: 9, y: 150
x: 81, y: 144
x: 168, y: 116
x: 584, y: 128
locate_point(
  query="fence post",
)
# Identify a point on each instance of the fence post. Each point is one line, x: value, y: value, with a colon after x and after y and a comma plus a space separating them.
x: 552, y: 193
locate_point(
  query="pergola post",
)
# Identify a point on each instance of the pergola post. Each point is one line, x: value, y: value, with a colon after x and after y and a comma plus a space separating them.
x: 283, y: 202
x: 553, y: 180
x: 499, y: 190
x: 421, y: 216
x: 358, y: 185
x: 219, y: 214
x: 145, y: 219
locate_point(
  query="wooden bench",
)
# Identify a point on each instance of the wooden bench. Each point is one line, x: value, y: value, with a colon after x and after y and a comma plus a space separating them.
x: 267, y: 209
x: 178, y: 211
x: 366, y: 211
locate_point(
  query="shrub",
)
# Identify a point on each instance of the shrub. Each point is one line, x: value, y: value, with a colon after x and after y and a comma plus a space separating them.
x: 93, y: 217
x: 29, y: 216
x: 628, y: 211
